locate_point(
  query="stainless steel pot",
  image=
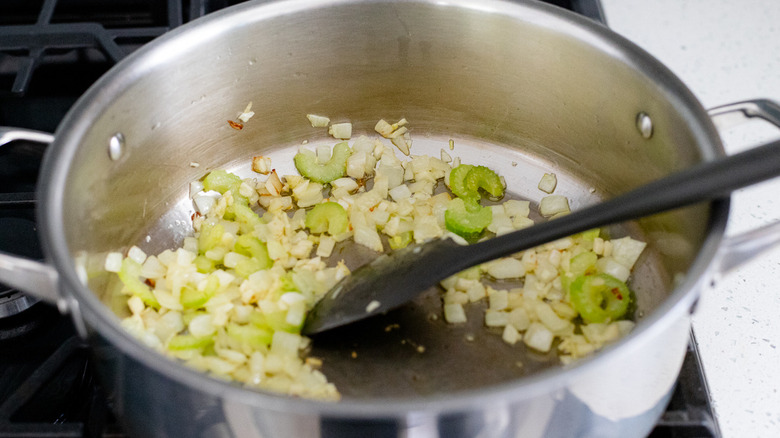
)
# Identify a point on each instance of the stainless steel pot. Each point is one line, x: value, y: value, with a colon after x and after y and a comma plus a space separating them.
x: 522, y: 87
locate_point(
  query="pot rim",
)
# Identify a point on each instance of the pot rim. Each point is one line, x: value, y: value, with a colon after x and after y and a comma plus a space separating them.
x: 86, y: 305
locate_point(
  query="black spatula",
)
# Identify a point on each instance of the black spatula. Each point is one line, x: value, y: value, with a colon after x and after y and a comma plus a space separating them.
x: 394, y: 279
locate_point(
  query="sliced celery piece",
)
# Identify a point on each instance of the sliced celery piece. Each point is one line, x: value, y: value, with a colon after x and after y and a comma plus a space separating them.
x: 458, y: 181
x: 257, y: 252
x: 204, y: 265
x: 480, y: 177
x: 287, y: 284
x: 581, y: 264
x: 276, y: 321
x: 599, y: 298
x: 251, y: 246
x: 247, y: 219
x: 189, y: 342
x: 210, y: 236
x: 306, y: 163
x: 193, y: 298
x: 130, y: 273
x: 591, y: 234
x: 467, y: 218
x: 222, y: 181
x: 466, y: 181
x: 251, y: 334
x: 247, y: 267
x: 189, y: 314
x: 328, y: 216
x: 401, y: 241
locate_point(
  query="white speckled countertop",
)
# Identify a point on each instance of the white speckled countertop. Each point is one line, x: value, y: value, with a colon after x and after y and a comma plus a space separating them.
x: 726, y: 51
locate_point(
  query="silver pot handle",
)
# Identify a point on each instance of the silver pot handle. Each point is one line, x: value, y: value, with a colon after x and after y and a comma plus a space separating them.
x: 8, y: 135
x: 739, y: 249
x: 34, y: 278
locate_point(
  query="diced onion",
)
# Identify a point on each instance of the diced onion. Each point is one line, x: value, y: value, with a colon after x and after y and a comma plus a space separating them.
x: 610, y: 266
x: 261, y: 164
x: 548, y: 182
x: 454, y: 313
x: 510, y: 335
x: 341, y: 131
x: 553, y: 204
x: 498, y: 299
x: 318, y: 121
x: 113, y: 262
x: 494, y: 318
x: 137, y: 254
x: 538, y: 337
x: 626, y: 251
x: 505, y: 268
x: 195, y: 188
x: 285, y: 344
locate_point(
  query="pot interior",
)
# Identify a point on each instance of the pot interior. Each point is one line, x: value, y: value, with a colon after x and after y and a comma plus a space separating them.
x: 523, y: 89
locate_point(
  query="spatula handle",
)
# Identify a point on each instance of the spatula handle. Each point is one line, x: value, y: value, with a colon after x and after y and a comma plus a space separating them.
x: 707, y: 181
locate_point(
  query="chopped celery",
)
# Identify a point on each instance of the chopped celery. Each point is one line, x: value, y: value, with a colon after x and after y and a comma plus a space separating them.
x: 276, y: 321
x: 251, y: 246
x: 458, y: 181
x: 246, y: 218
x: 467, y: 218
x: 401, y: 241
x: 247, y: 267
x: 222, y: 181
x: 210, y: 236
x: 599, y: 298
x: 189, y: 342
x: 204, y: 265
x: 466, y: 180
x: 287, y: 283
x: 583, y: 264
x: 480, y: 177
x: 129, y: 273
x: 328, y: 216
x: 306, y: 163
x: 257, y: 252
x: 189, y: 314
x: 251, y: 334
x: 193, y: 298
x: 591, y: 234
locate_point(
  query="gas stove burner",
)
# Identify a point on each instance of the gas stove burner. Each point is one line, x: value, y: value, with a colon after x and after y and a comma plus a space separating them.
x: 18, y: 235
x: 13, y: 302
x: 19, y: 326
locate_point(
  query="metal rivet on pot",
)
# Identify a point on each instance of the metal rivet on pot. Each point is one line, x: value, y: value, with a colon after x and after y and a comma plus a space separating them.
x: 116, y: 145
x: 645, y: 125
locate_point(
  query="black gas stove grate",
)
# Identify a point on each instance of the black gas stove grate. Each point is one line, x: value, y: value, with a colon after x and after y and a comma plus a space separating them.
x: 51, y: 51
x: 101, y: 32
x: 105, y: 32
x: 48, y: 389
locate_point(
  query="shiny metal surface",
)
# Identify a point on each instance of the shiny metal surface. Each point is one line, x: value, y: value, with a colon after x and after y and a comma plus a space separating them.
x: 743, y: 247
x: 737, y: 113
x: 510, y: 82
x: 38, y: 278
x: 12, y: 303
x: 622, y: 397
x: 29, y: 275
x: 8, y: 134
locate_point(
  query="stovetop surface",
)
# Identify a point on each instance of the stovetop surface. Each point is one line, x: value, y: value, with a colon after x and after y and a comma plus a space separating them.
x: 50, y: 52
